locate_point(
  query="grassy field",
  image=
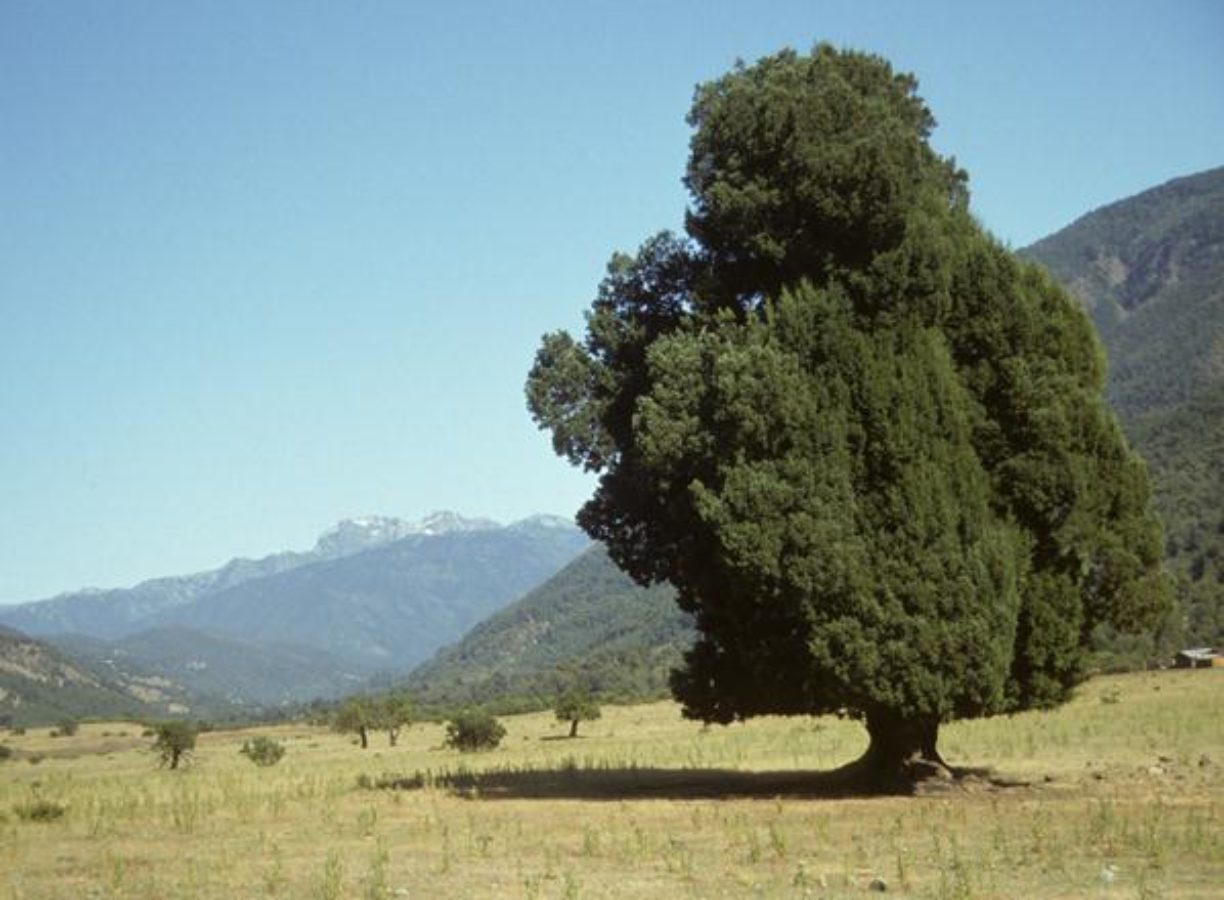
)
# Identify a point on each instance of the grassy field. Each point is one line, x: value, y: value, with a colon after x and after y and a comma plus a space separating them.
x: 1118, y: 794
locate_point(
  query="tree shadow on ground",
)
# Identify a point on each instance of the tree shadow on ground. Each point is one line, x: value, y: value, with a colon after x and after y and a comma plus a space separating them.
x: 633, y: 783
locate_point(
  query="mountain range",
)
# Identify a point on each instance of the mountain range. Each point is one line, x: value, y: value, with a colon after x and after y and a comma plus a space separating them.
x: 122, y: 611
x: 374, y: 594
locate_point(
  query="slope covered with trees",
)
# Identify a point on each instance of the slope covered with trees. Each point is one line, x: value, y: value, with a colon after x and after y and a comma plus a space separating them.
x: 588, y: 626
x: 1150, y: 269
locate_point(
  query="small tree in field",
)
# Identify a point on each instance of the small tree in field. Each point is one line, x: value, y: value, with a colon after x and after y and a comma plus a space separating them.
x: 174, y: 742
x: 474, y: 729
x: 356, y: 715
x: 576, y: 706
x: 393, y: 713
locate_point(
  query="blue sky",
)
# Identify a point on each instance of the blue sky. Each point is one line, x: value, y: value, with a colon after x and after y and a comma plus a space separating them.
x: 268, y: 265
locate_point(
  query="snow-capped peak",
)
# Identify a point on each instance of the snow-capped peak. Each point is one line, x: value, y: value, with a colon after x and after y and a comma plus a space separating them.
x: 543, y: 520
x: 444, y: 522
x: 363, y: 532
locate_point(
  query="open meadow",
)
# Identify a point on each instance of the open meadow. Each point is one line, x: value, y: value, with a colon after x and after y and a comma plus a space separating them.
x: 1118, y: 794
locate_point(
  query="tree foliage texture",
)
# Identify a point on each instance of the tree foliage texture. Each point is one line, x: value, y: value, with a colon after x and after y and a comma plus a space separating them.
x: 474, y: 729
x: 263, y: 751
x: 865, y: 443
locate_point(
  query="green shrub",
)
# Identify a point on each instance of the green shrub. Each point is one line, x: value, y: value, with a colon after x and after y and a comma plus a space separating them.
x: 39, y: 811
x: 474, y: 729
x: 6, y: 752
x: 263, y: 751
x: 66, y: 728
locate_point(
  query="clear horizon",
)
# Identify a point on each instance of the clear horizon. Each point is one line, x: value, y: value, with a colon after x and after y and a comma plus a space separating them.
x: 265, y: 267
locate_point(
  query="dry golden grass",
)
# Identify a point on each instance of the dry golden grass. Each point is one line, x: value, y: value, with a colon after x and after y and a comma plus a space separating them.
x: 1124, y: 800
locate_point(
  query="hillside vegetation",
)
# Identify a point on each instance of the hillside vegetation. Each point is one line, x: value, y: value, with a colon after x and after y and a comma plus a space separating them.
x: 1185, y: 448
x: 1150, y: 269
x: 589, y: 625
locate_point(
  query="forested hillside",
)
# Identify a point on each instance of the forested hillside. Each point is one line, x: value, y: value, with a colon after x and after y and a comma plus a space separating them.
x: 589, y: 625
x: 1150, y: 269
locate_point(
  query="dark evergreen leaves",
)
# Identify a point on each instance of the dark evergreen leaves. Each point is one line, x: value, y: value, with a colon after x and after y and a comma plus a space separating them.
x: 865, y: 444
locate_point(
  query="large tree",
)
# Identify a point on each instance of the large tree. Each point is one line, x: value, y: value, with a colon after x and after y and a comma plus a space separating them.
x: 865, y: 443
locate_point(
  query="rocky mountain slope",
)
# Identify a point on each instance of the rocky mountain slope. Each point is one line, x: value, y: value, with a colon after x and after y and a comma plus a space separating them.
x: 391, y: 606
x: 117, y: 612
x: 41, y: 685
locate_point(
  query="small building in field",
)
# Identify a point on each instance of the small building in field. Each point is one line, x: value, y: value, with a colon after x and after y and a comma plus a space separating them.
x: 1199, y: 658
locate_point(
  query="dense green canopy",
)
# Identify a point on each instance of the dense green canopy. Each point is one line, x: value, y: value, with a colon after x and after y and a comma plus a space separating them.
x: 865, y: 443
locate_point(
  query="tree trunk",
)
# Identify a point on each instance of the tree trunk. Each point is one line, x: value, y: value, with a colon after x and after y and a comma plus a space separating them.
x: 365, y: 739
x: 902, y: 752
x: 392, y: 736
x: 573, y: 728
